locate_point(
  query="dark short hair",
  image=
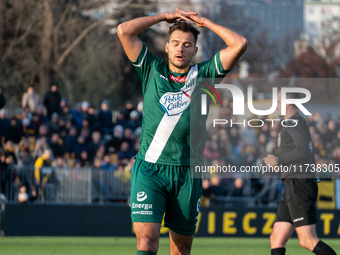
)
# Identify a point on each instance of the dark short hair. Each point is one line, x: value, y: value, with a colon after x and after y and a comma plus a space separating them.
x: 184, y: 26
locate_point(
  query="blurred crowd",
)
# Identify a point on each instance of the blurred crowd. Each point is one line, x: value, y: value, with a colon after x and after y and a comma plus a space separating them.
x: 240, y: 145
x: 50, y: 132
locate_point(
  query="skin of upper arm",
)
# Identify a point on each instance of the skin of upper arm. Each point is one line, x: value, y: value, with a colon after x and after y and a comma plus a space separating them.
x: 231, y: 55
x: 131, y: 44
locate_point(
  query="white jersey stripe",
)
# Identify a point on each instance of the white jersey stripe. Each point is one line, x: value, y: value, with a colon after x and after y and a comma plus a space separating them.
x: 167, y: 125
x: 141, y: 62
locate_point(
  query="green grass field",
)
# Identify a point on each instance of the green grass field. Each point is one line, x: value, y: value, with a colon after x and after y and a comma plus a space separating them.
x: 126, y: 246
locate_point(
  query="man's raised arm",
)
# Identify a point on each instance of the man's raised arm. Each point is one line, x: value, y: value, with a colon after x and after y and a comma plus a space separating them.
x: 129, y: 30
x: 236, y: 43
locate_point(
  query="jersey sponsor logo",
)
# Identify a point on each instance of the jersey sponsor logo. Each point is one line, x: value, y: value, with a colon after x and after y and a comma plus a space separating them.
x: 174, y: 103
x: 163, y: 77
x: 141, y: 196
x: 141, y: 206
x: 146, y: 212
x: 298, y: 219
x: 178, y: 79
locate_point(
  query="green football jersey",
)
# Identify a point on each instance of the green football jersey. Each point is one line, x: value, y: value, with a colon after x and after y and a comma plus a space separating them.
x: 167, y: 118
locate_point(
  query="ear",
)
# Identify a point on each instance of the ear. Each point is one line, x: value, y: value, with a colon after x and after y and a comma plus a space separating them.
x: 196, y: 49
x: 167, y: 47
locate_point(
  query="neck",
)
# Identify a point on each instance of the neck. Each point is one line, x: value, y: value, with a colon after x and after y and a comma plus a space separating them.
x: 178, y: 70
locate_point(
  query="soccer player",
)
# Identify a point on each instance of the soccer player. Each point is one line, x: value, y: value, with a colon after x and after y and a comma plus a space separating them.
x: 160, y: 181
x: 297, y: 209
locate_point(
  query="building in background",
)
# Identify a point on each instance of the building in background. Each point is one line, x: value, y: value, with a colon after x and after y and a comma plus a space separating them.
x: 321, y: 21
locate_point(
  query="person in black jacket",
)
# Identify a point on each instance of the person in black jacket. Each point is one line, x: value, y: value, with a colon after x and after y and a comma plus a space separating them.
x: 2, y: 98
x: 297, y: 209
x: 52, y: 100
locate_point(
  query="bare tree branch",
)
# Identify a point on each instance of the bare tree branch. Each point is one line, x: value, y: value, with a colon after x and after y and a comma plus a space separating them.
x: 67, y: 82
x: 69, y: 49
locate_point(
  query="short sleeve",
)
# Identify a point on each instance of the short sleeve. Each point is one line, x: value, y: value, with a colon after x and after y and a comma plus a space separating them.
x: 145, y: 62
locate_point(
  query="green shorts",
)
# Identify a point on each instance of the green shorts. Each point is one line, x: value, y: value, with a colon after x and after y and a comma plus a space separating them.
x: 157, y: 189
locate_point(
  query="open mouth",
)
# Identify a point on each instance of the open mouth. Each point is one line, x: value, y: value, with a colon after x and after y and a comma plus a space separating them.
x: 180, y: 57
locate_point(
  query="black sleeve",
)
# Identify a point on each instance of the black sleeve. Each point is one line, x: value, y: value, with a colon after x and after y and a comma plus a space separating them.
x: 300, y: 139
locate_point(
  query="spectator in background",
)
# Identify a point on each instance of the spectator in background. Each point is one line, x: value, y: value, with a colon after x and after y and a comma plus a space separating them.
x: 4, y: 122
x: 93, y: 146
x: 94, y: 123
x: 134, y: 121
x: 2, y: 98
x: 121, y: 121
x: 31, y: 99
x: 113, y: 145
x: 80, y: 146
x: 85, y: 109
x: 84, y: 159
x: 45, y: 160
x: 71, y: 139
x: 40, y: 146
x: 28, y: 128
x: 41, y: 114
x: 124, y: 153
x: 105, y: 118
x: 63, y: 103
x: 43, y: 131
x: 36, y: 122
x: 77, y: 114
x: 9, y: 152
x: 52, y: 100
x: 107, y: 165
x: 55, y: 146
x: 23, y: 155
x: 59, y: 163
x: 216, y: 190
x: 67, y: 115
x: 14, y: 131
x: 53, y: 125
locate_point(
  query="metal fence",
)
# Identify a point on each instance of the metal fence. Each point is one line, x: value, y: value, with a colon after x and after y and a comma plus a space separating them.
x: 90, y: 185
x: 64, y: 185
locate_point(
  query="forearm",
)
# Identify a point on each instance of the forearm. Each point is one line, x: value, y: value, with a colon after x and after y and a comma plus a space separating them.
x: 135, y: 26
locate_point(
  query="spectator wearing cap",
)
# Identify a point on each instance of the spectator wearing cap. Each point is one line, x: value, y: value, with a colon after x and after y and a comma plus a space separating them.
x: 2, y: 98
x: 52, y: 100
x: 63, y: 103
x: 105, y: 118
x: 31, y: 99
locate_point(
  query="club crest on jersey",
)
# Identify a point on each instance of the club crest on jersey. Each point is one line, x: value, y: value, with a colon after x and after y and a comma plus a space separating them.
x: 174, y: 103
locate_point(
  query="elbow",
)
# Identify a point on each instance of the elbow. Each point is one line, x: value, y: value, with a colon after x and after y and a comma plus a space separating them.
x: 243, y: 45
x: 120, y: 30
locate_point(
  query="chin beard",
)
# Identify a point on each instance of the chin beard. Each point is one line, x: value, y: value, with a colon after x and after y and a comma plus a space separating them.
x: 180, y: 65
